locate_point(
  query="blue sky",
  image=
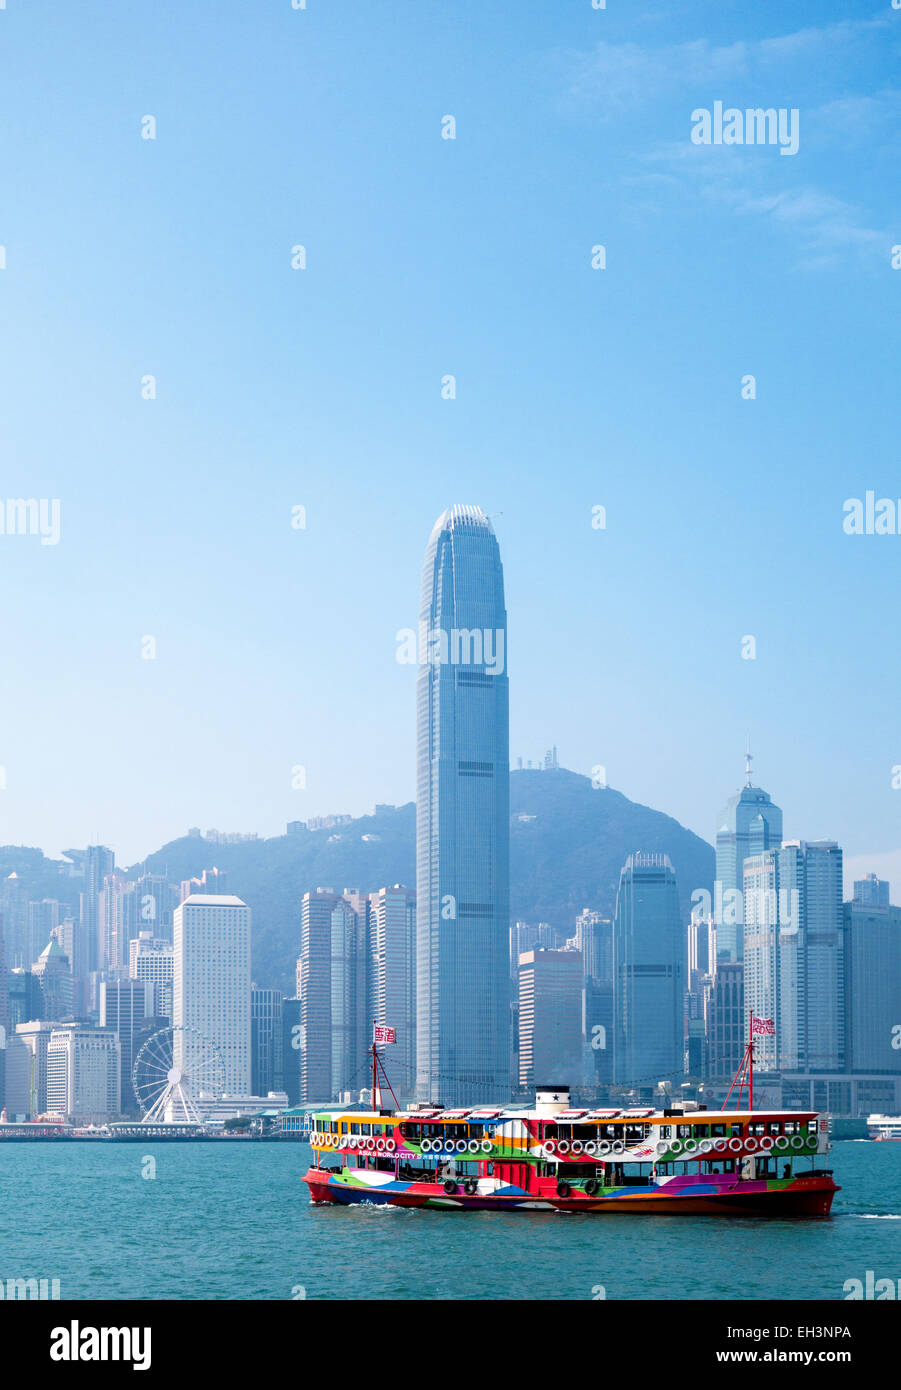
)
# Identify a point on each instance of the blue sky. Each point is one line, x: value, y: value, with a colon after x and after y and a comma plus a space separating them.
x: 575, y: 388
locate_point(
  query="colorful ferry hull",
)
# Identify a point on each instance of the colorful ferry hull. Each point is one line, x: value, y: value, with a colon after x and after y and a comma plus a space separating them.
x: 698, y: 1163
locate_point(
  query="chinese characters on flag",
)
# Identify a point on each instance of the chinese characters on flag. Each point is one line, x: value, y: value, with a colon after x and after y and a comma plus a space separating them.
x: 384, y: 1034
x: 762, y: 1027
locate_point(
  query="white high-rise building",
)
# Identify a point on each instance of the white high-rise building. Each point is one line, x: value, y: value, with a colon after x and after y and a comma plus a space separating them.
x: 152, y: 959
x: 83, y: 1073
x: 211, y: 984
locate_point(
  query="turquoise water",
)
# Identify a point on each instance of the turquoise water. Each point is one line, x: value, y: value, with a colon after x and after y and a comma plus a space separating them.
x: 235, y: 1221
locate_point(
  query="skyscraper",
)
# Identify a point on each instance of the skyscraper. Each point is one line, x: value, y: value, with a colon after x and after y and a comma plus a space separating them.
x: 750, y: 824
x: 392, y: 989
x: 648, y: 951
x: 333, y: 994
x: 211, y: 985
x: 550, y: 1018
x: 98, y: 863
x: 794, y: 961
x: 872, y: 982
x: 462, y: 817
x: 871, y: 891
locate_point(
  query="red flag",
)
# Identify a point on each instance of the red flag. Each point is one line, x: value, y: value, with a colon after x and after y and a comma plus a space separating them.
x: 762, y: 1026
x: 384, y: 1034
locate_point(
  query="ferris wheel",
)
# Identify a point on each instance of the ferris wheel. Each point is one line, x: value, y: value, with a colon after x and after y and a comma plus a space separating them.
x: 172, y: 1070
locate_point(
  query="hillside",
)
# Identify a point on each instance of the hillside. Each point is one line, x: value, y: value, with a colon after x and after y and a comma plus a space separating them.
x: 567, y: 855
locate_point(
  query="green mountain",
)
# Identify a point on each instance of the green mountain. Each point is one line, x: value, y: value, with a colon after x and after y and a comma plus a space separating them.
x: 568, y: 843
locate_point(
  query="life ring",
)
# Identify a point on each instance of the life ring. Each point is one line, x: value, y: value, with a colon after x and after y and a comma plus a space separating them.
x: 675, y: 1146
x: 591, y: 1147
x: 577, y: 1146
x: 342, y: 1142
x: 736, y: 1145
x: 798, y: 1141
x: 473, y: 1146
x: 705, y: 1146
x: 487, y: 1146
x: 617, y: 1147
x: 662, y: 1147
x: 721, y: 1145
x: 461, y: 1146
x: 766, y: 1143
x: 390, y: 1146
x: 549, y: 1149
x: 563, y: 1146
x: 426, y: 1146
x: 563, y: 1189
x: 603, y: 1146
x: 751, y: 1146
x: 380, y: 1145
x: 691, y: 1146
x: 782, y: 1142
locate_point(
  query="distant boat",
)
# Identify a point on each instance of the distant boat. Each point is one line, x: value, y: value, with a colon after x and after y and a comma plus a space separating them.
x: 884, y: 1126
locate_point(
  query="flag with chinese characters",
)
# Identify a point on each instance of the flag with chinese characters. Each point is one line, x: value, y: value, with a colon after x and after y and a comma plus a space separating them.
x: 384, y: 1034
x: 762, y: 1027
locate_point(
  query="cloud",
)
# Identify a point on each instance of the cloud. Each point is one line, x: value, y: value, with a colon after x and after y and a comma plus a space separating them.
x: 622, y: 76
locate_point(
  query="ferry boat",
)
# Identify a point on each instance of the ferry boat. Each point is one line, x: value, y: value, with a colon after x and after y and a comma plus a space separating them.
x: 553, y: 1157
x: 884, y: 1126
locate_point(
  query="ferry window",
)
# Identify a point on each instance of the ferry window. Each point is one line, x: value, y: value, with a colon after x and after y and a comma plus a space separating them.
x: 683, y: 1131
x: 811, y: 1126
x: 791, y: 1126
x: 736, y: 1131
x: 700, y: 1131
x: 550, y: 1131
x: 757, y: 1128
x: 774, y: 1127
x: 666, y: 1131
x: 717, y: 1131
x: 365, y: 1129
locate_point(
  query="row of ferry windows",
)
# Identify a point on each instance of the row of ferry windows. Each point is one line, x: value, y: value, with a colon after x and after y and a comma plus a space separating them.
x: 757, y: 1128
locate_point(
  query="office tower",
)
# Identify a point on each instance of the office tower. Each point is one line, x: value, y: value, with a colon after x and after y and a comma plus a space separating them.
x: 392, y: 986
x: 871, y: 891
x: 794, y: 964
x: 115, y: 918
x: 27, y: 1063
x: 155, y: 899
x: 210, y: 881
x: 462, y: 817
x: 531, y: 936
x: 4, y: 1015
x: 750, y: 824
x: 594, y: 938
x: 291, y: 1036
x: 211, y: 984
x: 872, y: 954
x: 550, y: 1018
x: 83, y: 1069
x: 125, y: 1007
x: 54, y: 976
x: 727, y: 1022
x: 99, y: 862
x: 648, y: 973
x: 152, y: 960
x: 43, y: 920
x: 25, y: 1001
x: 266, y: 1041
x: 334, y: 995
x: 14, y: 910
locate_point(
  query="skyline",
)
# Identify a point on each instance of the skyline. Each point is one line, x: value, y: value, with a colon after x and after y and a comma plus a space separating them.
x: 322, y: 388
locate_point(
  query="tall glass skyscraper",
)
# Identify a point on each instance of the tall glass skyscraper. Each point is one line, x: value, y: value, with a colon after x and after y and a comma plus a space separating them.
x: 750, y: 824
x: 647, y: 973
x: 462, y: 817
